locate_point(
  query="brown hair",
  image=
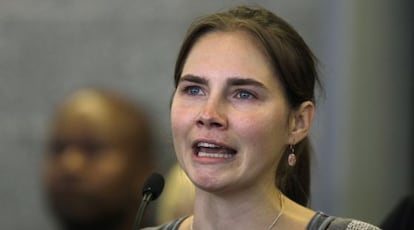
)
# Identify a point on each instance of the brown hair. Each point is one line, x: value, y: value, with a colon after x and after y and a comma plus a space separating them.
x: 294, y: 65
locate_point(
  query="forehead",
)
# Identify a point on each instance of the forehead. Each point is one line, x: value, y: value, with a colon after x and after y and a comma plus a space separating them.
x: 231, y: 53
x: 85, y: 114
x: 86, y: 106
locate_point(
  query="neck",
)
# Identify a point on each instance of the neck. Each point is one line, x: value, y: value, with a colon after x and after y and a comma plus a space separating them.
x: 251, y: 209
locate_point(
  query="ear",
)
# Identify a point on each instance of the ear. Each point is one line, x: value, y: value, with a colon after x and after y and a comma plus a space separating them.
x: 301, y: 121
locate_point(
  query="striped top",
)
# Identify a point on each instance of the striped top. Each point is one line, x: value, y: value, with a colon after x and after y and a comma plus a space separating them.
x: 320, y: 221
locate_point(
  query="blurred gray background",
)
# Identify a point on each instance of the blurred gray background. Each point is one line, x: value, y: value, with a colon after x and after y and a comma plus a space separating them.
x: 363, y: 131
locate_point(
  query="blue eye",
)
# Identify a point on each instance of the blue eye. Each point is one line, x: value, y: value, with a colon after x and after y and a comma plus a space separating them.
x: 243, y: 94
x: 193, y: 90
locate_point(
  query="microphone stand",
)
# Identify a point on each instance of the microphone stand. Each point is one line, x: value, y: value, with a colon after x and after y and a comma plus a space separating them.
x: 152, y: 190
x: 144, y: 203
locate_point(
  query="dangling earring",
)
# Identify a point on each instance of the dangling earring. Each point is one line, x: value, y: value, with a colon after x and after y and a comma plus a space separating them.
x: 292, y: 156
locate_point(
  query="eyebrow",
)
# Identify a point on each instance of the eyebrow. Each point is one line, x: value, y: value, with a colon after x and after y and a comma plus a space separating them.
x: 233, y: 81
x: 239, y: 81
x: 194, y: 79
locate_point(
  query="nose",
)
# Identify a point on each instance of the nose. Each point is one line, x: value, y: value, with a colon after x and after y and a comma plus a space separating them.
x: 213, y: 115
x: 72, y: 161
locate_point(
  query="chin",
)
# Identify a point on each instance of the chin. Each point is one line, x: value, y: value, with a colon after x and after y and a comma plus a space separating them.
x: 209, y: 182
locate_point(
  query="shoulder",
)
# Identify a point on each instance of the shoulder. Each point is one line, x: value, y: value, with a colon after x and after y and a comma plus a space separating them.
x: 172, y: 225
x: 322, y: 221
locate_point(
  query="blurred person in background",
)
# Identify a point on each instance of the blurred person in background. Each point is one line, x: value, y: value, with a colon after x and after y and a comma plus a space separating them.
x: 98, y: 157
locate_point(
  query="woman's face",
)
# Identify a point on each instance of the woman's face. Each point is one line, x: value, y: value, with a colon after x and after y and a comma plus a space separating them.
x: 229, y: 114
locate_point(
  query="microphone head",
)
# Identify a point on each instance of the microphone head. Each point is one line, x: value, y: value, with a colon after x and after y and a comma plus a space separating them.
x: 153, y: 185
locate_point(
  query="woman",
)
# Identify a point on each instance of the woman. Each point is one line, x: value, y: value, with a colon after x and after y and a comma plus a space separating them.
x: 240, y: 115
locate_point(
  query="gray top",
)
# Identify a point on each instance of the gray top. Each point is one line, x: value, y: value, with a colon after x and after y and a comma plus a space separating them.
x: 320, y: 221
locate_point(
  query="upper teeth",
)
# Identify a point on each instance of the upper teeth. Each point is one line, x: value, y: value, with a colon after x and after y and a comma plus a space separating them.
x: 207, y: 145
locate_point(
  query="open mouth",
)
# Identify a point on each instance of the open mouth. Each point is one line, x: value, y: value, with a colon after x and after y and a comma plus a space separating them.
x: 210, y: 150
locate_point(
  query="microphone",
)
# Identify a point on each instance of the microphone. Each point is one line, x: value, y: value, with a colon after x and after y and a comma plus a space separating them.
x: 152, y: 189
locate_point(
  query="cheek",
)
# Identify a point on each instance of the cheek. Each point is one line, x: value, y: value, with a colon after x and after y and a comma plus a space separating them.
x: 181, y: 119
x: 178, y: 127
x: 182, y: 122
x: 266, y: 132
x: 111, y: 181
x: 175, y: 120
x: 112, y: 170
